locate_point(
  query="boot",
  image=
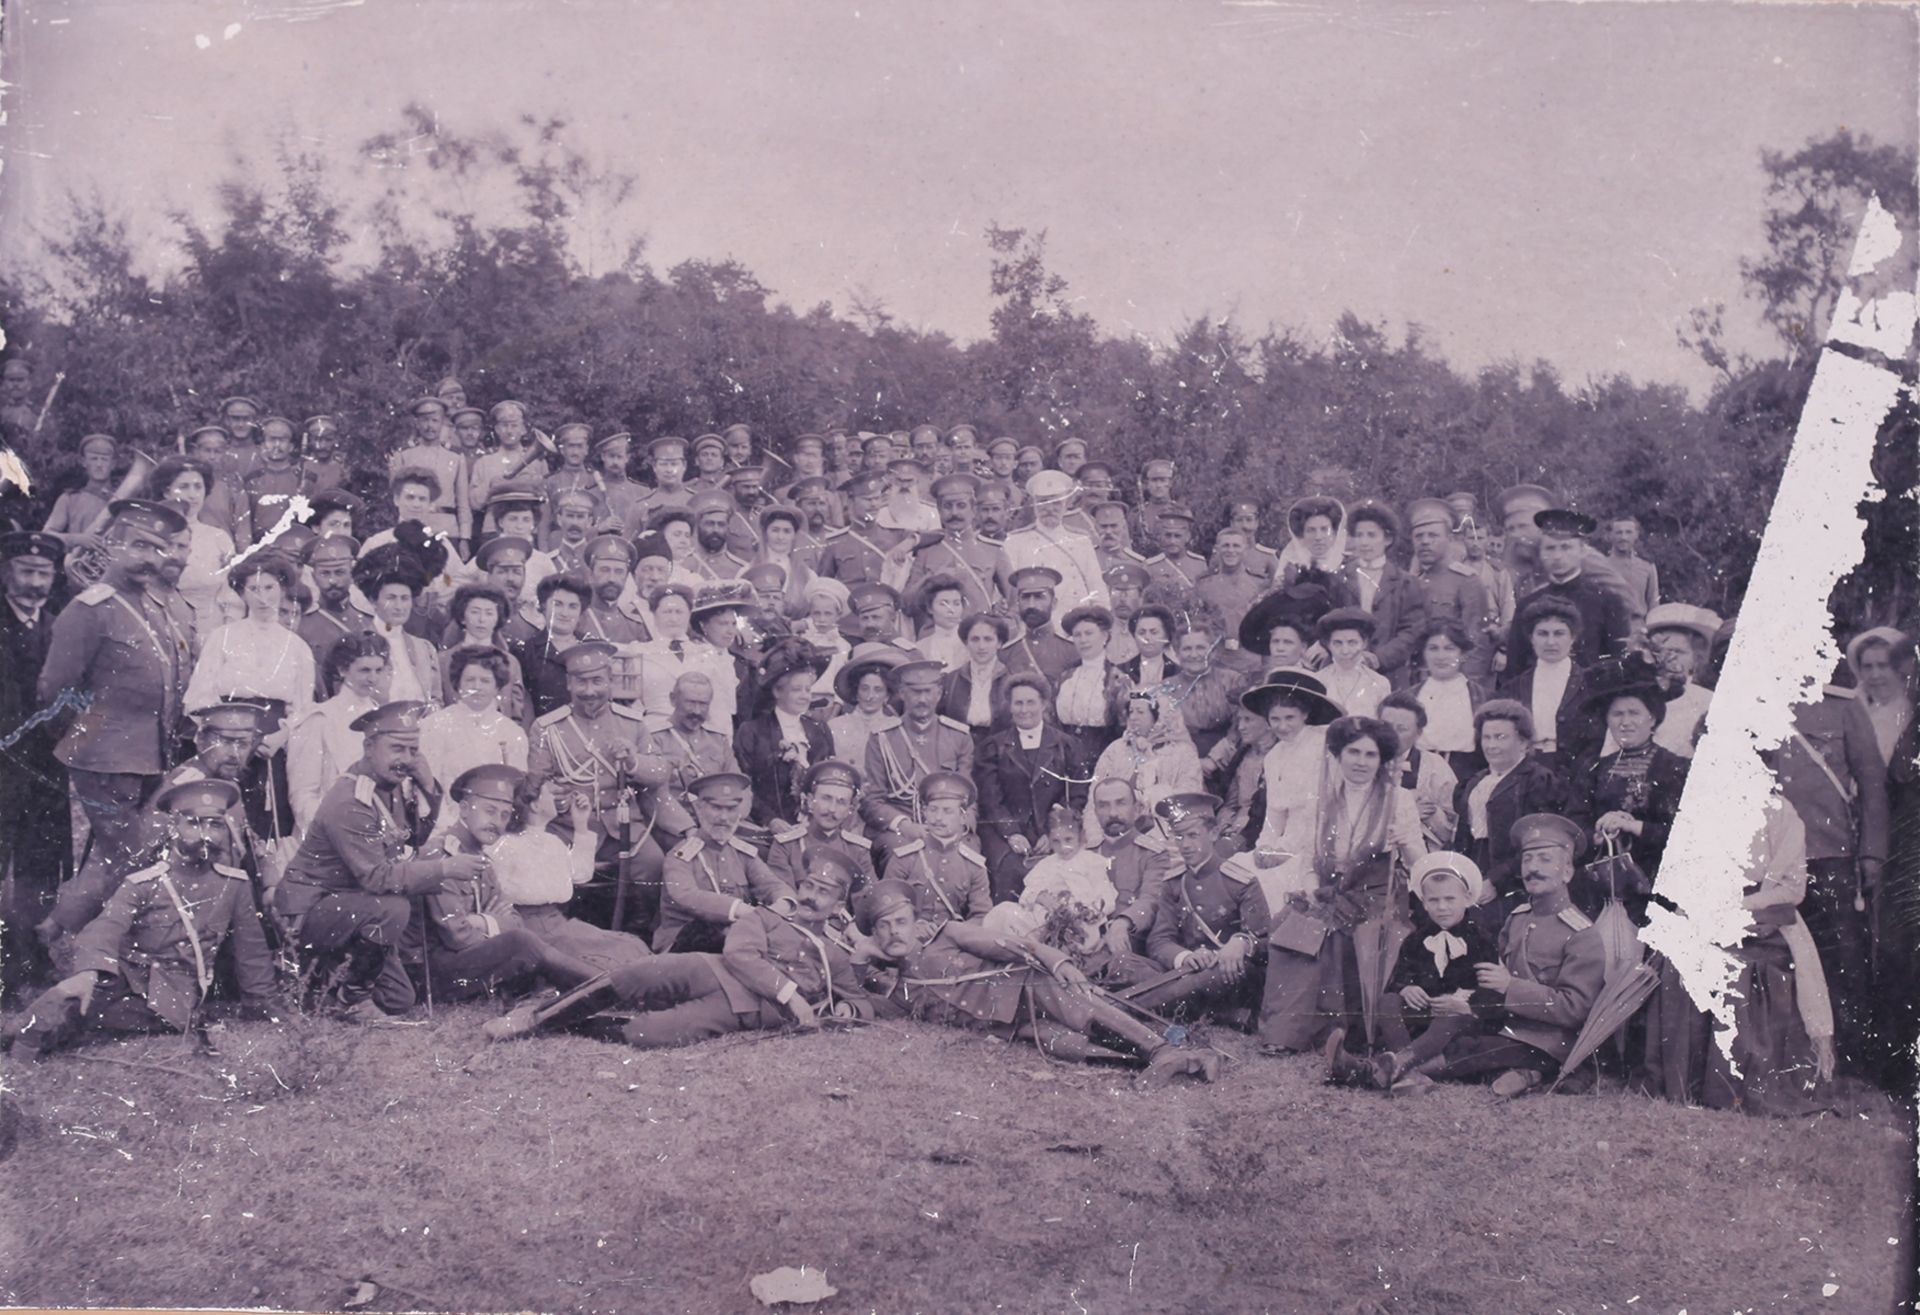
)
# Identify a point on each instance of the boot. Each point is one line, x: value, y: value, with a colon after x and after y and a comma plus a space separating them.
x: 1113, y: 1027
x: 1168, y: 1062
x: 575, y: 1007
x: 357, y: 976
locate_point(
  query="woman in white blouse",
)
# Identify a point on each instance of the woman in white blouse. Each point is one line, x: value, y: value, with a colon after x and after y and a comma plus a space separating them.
x: 393, y: 585
x: 939, y: 608
x: 184, y: 481
x: 324, y: 744
x: 257, y: 656
x: 1086, y: 700
x: 475, y: 729
x: 1449, y: 696
x: 663, y: 659
x: 975, y: 692
x: 1155, y: 753
x: 1297, y: 712
x: 538, y: 873
x: 862, y: 687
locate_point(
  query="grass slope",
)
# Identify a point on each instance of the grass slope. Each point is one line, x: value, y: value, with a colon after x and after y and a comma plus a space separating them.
x: 924, y: 1170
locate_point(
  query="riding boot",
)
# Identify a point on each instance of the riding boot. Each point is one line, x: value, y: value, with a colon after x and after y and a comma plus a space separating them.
x: 357, y: 976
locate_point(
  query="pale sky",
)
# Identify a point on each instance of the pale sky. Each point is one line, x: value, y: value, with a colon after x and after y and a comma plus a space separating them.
x: 1555, y: 180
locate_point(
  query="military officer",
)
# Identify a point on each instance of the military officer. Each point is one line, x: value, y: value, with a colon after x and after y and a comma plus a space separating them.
x: 776, y: 966
x: 830, y: 794
x: 670, y: 491
x: 904, y: 750
x: 1210, y: 925
x: 36, y: 841
x: 876, y: 616
x: 1137, y: 862
x: 597, y: 747
x: 747, y: 497
x: 865, y: 550
x: 118, y: 656
x: 1234, y: 584
x: 322, y: 467
x: 982, y: 568
x: 1176, y: 563
x: 1563, y: 555
x: 146, y: 962
x: 708, y: 453
x: 1156, y: 495
x: 1450, y: 587
x: 610, y: 560
x: 711, y: 559
x: 713, y: 877
x: 683, y: 740
x: 612, y: 454
x: 1113, y: 535
x: 349, y: 887
x: 948, y: 877
x: 330, y: 562
x: 1552, y: 966
x: 1243, y: 514
x: 449, y: 513
x: 1038, y: 647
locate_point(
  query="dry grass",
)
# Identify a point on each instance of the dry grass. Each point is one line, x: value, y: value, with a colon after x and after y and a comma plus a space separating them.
x: 913, y: 1164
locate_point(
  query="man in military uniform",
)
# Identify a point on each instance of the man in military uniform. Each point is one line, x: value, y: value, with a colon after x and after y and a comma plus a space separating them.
x: 875, y: 616
x: 146, y: 962
x: 747, y: 498
x: 830, y: 793
x: 982, y: 568
x: 1113, y: 535
x: 1052, y: 543
x: 349, y: 887
x: 1552, y: 966
x: 274, y: 478
x: 36, y: 840
x: 1518, y: 509
x: 1127, y: 586
x: 119, y: 657
x: 597, y: 747
x: 1038, y: 647
x: 610, y: 559
x: 1156, y: 494
x: 1137, y: 864
x: 1176, y: 564
x: 322, y: 468
x: 1243, y: 514
x: 1563, y: 554
x: 330, y: 560
x: 711, y: 558
x: 904, y: 750
x: 448, y: 512
x: 683, y: 740
x: 668, y: 457
x: 959, y: 974
x: 1233, y: 585
x: 613, y: 454
x: 865, y: 550
x: 947, y: 875
x: 1210, y: 924
x: 713, y: 877
x: 776, y: 966
x: 474, y: 941
x: 1450, y: 589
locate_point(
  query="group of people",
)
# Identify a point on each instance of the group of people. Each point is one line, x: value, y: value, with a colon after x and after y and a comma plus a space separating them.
x: 691, y: 736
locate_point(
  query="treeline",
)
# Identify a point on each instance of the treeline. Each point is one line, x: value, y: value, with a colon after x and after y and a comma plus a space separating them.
x: 295, y: 300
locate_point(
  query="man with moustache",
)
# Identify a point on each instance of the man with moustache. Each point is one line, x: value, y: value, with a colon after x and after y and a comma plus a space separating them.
x: 610, y: 560
x: 1039, y: 646
x: 330, y: 561
x: 982, y: 568
x: 830, y: 794
x: 866, y: 550
x: 711, y: 559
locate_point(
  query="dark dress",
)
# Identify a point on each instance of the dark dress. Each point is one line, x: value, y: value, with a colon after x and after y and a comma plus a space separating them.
x: 776, y: 782
x: 1017, y: 789
x: 1652, y: 794
x: 1532, y: 787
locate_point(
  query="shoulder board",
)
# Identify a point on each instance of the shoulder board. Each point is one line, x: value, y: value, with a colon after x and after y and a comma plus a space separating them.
x: 1179, y: 869
x: 786, y: 833
x: 1152, y: 844
x: 831, y: 535
x: 688, y: 848
x: 1841, y: 692
x: 363, y: 789
x: 94, y: 595
x: 988, y: 538
x: 559, y: 714
x: 628, y: 711
x: 1261, y: 547
x: 1155, y: 560
x: 1461, y: 568
x: 1011, y: 643
x: 1133, y: 554
x: 855, y: 838
x: 954, y: 724
x: 186, y: 774
x: 147, y: 874
x: 911, y: 847
x: 237, y: 874
x: 1523, y: 908
x: 744, y: 847
x: 973, y: 855
x: 890, y: 724
x: 1237, y: 867
x: 658, y: 721
x: 1575, y: 919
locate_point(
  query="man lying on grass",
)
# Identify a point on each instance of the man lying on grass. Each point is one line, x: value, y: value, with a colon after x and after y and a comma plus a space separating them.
x: 962, y: 975
x: 778, y: 966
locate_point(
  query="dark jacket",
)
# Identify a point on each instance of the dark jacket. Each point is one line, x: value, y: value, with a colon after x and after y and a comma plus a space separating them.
x: 1415, y: 967
x: 1532, y: 787
x: 1603, y: 622
x: 956, y: 692
x: 1399, y: 612
x: 776, y: 782
x: 1580, y: 732
x: 1018, y: 787
x: 1592, y: 792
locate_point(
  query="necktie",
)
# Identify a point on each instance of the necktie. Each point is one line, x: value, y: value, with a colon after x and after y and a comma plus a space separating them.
x: 1445, y: 947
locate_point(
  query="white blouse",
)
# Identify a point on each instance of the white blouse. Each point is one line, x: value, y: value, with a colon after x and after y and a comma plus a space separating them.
x: 1082, y: 700
x: 1449, y: 705
x: 261, y: 658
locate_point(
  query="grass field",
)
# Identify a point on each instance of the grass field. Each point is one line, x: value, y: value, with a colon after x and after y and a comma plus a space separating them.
x: 924, y: 1170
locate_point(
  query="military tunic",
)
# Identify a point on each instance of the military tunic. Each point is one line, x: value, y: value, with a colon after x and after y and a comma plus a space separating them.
x: 1050, y: 654
x: 777, y: 957
x: 1204, y: 910
x: 1183, y: 572
x: 703, y: 881
x: 899, y: 758
x: 786, y: 855
x: 1559, y: 964
x: 1232, y: 594
x: 859, y: 554
x: 949, y: 879
x: 577, y: 755
x: 1137, y: 865
x: 126, y: 657
x: 980, y: 567
x: 450, y: 515
x: 689, y: 755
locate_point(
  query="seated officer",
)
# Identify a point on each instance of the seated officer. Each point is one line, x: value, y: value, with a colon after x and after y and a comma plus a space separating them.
x: 1210, y: 926
x: 903, y: 750
x: 947, y: 876
x: 713, y: 877
x: 475, y: 940
x: 1552, y: 965
x: 776, y: 966
x: 146, y: 962
x: 829, y: 793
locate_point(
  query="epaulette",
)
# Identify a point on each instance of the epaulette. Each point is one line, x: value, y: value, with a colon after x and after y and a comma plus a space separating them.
x: 988, y: 538
x: 186, y: 773
x: 745, y: 847
x: 1152, y: 844
x: 911, y: 847
x: 657, y: 721
x: 891, y: 723
x: 559, y: 714
x: 628, y: 711
x: 831, y: 535
x: 1271, y: 552
x: 1523, y: 908
x: 1238, y: 867
x: 855, y: 838
x: 1461, y: 568
x: 363, y: 789
x: 973, y: 855
x: 1840, y: 692
x: 789, y: 833
x: 147, y: 874
x: 1575, y: 919
x: 955, y: 724
x: 688, y: 848
x: 1154, y: 560
x: 95, y: 594
x: 237, y: 874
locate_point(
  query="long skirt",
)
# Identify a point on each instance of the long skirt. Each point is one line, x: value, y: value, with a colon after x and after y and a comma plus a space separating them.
x: 1308, y: 995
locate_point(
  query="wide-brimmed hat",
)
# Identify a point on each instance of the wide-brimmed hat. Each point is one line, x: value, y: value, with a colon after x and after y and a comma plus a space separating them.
x: 1298, y: 688
x: 864, y: 658
x: 1300, y: 605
